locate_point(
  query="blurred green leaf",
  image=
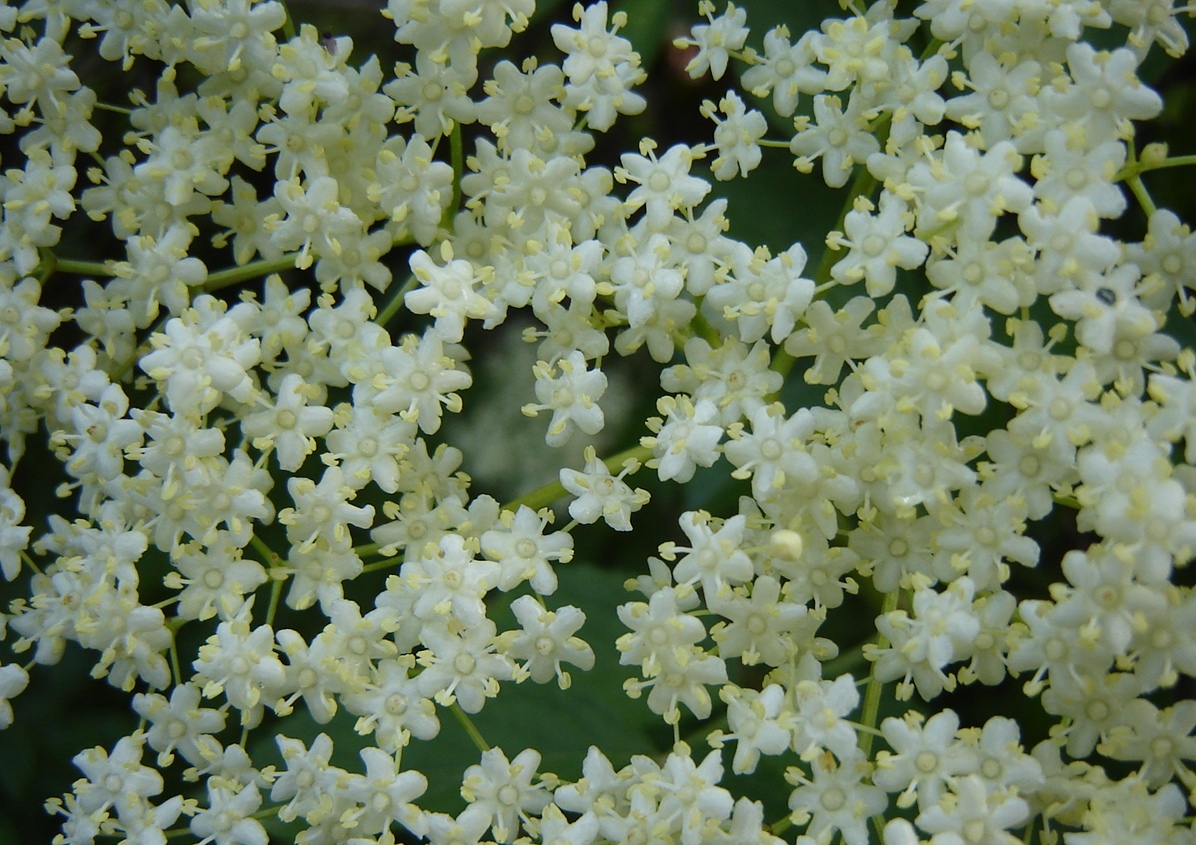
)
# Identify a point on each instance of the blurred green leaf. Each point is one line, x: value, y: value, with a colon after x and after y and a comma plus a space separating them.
x: 647, y: 27
x: 776, y: 206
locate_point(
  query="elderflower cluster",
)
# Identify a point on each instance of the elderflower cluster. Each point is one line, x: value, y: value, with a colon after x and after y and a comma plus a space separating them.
x: 241, y: 395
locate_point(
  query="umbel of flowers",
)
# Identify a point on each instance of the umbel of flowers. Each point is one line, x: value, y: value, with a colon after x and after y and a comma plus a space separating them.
x: 301, y: 238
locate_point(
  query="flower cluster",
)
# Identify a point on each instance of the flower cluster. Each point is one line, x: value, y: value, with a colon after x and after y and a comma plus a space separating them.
x: 244, y: 399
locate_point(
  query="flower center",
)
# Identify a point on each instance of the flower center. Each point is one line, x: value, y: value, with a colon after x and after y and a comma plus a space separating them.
x: 976, y: 184
x: 874, y: 245
x: 834, y: 799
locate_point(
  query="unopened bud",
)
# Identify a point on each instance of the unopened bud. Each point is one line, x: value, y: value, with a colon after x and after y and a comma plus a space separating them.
x: 1154, y: 155
x: 786, y: 544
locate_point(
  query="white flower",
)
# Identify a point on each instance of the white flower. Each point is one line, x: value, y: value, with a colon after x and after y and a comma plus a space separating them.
x: 572, y: 397
x: 878, y: 245
x: 308, y: 776
x: 117, y: 779
x: 735, y: 136
x: 601, y: 66
x: 785, y: 70
x: 764, y: 295
x: 760, y: 723
x: 315, y: 219
x: 13, y: 680
x: 968, y: 189
x: 238, y: 661
x: 715, y: 40
x: 448, y: 292
x: 646, y: 279
x: 942, y: 630
x: 524, y: 552
x: 412, y: 189
x: 1003, y: 104
x: 368, y: 446
x: 838, y: 136
x: 764, y: 628
x: 836, y: 799
x: 462, y: 667
x: 1104, y: 93
x: 291, y: 425
x: 555, y: 829
x: 519, y: 105
x: 435, y: 95
x: 504, y: 790
x: 601, y: 495
x: 1152, y: 21
x: 322, y: 511
x: 228, y: 818
x: 690, y: 793
x: 660, y: 633
x: 202, y: 363
x: 925, y: 759
x: 685, y: 438
x: 384, y: 794
x: 547, y: 640
x: 417, y: 380
x: 14, y: 537
x: 970, y: 813
x: 179, y: 724
x: 449, y: 582
x: 819, y: 723
x: 664, y: 185
x: 391, y: 705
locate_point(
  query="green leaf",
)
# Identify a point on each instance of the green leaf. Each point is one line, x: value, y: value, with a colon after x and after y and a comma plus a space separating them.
x: 647, y: 27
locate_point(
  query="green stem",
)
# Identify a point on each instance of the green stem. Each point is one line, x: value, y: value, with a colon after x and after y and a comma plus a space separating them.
x: 388, y: 563
x: 174, y: 660
x: 475, y: 735
x: 272, y: 561
x: 254, y: 269
x: 1133, y: 179
x: 1028, y: 833
x: 395, y: 302
x: 780, y: 826
x: 1141, y: 194
x: 702, y: 328
x: 872, y: 695
x: 81, y: 268
x: 873, y: 692
x: 457, y: 159
x: 288, y: 25
x: 275, y: 595
x: 100, y: 106
x: 931, y: 49
x: 1134, y: 168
